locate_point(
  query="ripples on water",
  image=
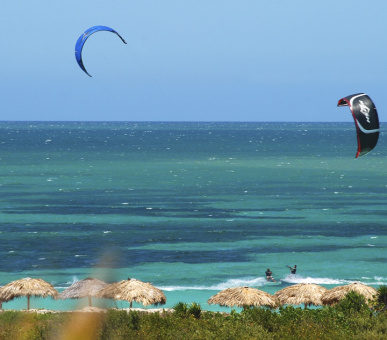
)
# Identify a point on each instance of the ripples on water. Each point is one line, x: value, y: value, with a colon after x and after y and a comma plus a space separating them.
x: 212, y: 203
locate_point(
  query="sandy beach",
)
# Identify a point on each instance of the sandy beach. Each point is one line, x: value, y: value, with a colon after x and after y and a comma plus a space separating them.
x: 89, y: 309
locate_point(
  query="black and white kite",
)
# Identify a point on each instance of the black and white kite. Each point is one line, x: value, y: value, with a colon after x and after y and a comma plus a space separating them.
x: 366, y: 120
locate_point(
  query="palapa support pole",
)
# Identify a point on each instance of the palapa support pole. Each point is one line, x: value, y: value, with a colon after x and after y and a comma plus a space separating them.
x: 90, y: 301
x: 28, y: 302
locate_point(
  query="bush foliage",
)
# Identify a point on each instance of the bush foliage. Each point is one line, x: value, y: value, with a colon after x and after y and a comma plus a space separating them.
x: 352, y: 318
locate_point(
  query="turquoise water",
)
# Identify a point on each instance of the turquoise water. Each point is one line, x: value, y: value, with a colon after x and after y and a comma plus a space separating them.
x: 193, y: 208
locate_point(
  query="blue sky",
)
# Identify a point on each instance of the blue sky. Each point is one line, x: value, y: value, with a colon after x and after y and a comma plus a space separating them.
x: 202, y: 60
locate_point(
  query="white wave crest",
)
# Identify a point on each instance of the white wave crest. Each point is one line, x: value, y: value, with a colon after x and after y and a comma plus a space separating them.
x: 317, y: 280
x: 74, y: 279
x: 260, y: 281
x: 289, y: 279
x: 250, y: 282
x: 379, y: 280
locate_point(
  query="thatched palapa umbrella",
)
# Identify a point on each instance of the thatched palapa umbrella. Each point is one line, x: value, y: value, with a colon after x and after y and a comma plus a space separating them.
x: 301, y: 293
x: 88, y: 287
x: 133, y: 290
x: 334, y: 295
x: 242, y: 297
x: 27, y: 287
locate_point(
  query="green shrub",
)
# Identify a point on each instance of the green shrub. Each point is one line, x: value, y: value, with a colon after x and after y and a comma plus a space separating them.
x: 262, y: 316
x: 195, y: 310
x: 352, y: 303
x: 381, y: 298
x: 119, y: 324
x: 181, y: 309
x: 350, y: 319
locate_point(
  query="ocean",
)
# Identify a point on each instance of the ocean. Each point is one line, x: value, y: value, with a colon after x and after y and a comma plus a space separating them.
x: 192, y: 207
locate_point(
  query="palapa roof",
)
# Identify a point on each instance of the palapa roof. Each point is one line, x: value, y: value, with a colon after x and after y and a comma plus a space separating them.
x: 27, y: 287
x: 334, y: 295
x: 301, y: 293
x: 88, y: 287
x: 133, y: 290
x: 243, y: 296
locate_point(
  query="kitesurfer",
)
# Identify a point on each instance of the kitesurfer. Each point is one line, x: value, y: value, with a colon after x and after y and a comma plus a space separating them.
x: 293, y: 270
x: 269, y: 275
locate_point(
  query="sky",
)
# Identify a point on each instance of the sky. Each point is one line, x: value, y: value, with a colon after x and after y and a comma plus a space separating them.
x: 192, y: 60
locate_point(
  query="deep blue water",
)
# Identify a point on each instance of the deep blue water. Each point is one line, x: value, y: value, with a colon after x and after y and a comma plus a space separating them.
x: 191, y: 206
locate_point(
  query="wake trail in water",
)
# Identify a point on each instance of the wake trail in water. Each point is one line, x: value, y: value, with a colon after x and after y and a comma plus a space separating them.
x: 288, y: 280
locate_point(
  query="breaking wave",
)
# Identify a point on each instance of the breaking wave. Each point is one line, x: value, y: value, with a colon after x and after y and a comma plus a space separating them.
x: 288, y: 280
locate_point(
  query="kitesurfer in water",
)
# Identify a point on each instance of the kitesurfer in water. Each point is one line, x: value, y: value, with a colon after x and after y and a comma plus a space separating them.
x: 293, y: 270
x: 269, y: 275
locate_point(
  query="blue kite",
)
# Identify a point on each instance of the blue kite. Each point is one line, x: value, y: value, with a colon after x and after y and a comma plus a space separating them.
x: 82, y: 39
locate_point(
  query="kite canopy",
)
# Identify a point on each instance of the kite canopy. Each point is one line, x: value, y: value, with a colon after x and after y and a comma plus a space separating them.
x: 82, y: 39
x: 366, y: 120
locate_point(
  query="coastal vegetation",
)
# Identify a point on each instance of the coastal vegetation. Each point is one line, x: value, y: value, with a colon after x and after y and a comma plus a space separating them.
x: 351, y: 318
